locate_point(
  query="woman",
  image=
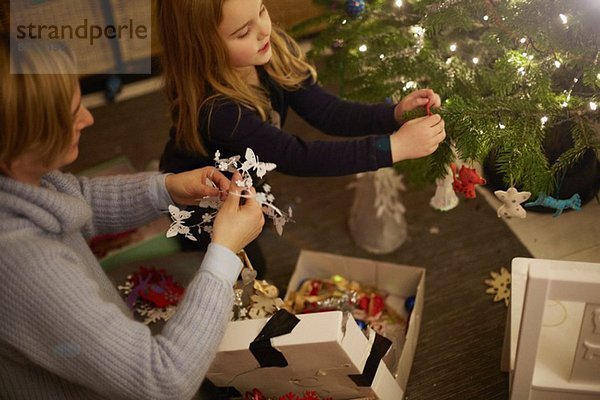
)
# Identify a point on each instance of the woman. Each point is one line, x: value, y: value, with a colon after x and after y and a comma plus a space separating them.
x: 65, y: 332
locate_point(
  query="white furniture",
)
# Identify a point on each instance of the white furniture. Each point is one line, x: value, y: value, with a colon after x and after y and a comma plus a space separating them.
x: 555, y: 330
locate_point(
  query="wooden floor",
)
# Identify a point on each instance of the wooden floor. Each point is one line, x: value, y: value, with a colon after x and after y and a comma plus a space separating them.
x: 459, y: 346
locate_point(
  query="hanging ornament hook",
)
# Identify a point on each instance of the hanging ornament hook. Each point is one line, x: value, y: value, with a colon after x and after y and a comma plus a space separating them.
x: 245, y: 260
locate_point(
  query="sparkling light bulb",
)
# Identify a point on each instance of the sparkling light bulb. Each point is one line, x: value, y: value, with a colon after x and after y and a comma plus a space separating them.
x: 417, y: 30
x: 344, y: 22
x: 410, y: 85
x: 362, y: 48
x: 486, y: 17
x: 563, y: 18
x: 382, y: 56
x: 453, y: 47
x: 475, y: 60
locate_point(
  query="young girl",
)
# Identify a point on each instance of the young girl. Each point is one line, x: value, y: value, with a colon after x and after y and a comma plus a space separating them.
x: 230, y: 78
x: 65, y: 332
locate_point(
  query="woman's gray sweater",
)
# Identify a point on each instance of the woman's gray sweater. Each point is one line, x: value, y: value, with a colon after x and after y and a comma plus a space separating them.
x: 65, y: 332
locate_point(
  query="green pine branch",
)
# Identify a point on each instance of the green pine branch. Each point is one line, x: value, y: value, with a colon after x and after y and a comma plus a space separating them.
x: 538, y: 68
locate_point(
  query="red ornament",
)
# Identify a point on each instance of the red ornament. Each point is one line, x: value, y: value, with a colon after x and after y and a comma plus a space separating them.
x: 254, y: 395
x: 311, y: 395
x: 363, y: 302
x: 315, y: 287
x: 157, y: 287
x: 466, y: 181
x: 376, y: 305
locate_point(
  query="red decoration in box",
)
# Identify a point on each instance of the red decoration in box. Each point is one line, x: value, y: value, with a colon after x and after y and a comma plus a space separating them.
x: 308, y: 395
x: 315, y: 287
x: 154, y: 286
x: 371, y: 303
x: 376, y: 305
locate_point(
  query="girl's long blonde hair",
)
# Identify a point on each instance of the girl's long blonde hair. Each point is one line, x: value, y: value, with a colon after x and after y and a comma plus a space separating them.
x: 196, y: 66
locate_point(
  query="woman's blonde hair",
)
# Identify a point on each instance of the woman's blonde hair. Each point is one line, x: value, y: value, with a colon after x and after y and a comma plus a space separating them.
x: 35, y: 109
x: 196, y: 66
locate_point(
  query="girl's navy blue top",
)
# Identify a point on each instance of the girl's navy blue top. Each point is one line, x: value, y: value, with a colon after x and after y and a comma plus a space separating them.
x: 231, y: 128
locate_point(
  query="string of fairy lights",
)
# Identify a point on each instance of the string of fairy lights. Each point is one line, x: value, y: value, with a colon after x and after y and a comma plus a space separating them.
x: 520, y: 62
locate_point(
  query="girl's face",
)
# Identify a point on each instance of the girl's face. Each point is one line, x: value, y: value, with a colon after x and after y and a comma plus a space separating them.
x: 246, y: 30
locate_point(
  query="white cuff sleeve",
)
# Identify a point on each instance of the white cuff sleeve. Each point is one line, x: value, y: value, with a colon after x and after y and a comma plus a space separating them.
x: 158, y: 190
x: 222, y: 262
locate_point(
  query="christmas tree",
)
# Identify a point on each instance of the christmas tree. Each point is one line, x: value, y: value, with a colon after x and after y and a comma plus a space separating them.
x: 511, y: 74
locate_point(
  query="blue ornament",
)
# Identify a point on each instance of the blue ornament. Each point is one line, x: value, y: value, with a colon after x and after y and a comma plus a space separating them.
x: 559, y: 205
x: 355, y: 8
x: 361, y: 324
x: 409, y: 304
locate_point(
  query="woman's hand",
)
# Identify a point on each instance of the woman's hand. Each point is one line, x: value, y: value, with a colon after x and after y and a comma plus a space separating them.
x: 237, y: 225
x: 187, y: 188
x: 417, y: 138
x: 418, y: 98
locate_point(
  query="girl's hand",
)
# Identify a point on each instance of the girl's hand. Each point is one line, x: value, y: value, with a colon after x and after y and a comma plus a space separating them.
x: 417, y: 138
x: 418, y: 98
x: 237, y: 225
x: 187, y: 188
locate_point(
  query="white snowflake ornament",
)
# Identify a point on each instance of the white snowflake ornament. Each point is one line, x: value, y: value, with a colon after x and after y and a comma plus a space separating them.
x: 499, y: 285
x: 511, y: 203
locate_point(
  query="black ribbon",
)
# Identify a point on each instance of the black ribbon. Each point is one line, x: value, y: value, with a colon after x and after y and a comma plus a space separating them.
x: 281, y: 323
x: 381, y: 345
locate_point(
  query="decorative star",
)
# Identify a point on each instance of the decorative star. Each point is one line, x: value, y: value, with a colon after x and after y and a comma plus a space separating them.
x: 499, y: 285
x: 511, y: 203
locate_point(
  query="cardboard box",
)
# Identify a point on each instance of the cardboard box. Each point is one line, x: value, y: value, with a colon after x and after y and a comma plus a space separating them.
x: 325, y: 349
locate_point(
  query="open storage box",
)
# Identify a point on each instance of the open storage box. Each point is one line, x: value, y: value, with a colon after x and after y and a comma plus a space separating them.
x: 325, y: 352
